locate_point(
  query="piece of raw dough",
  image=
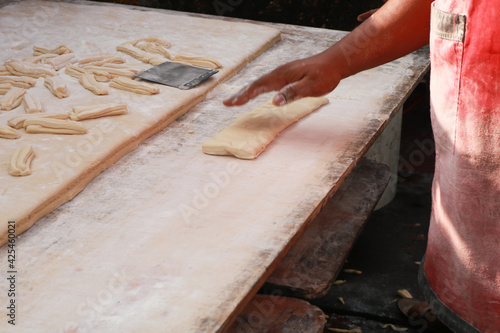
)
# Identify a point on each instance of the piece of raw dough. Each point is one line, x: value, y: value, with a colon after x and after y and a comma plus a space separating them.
x: 100, y: 60
x: 4, y: 70
x: 113, y: 72
x: 40, y: 58
x: 8, y: 132
x: 153, y: 47
x: 4, y: 88
x: 134, y: 86
x: 197, y: 61
x: 22, y: 68
x: 12, y: 99
x: 139, y: 54
x: 53, y: 126
x: 60, y: 61
x: 32, y: 104
x: 20, y: 161
x: 18, y: 121
x: 57, y: 86
x: 63, y: 49
x: 18, y: 81
x: 162, y: 42
x: 89, y: 82
x: 99, y: 74
x: 251, y: 132
x: 82, y: 112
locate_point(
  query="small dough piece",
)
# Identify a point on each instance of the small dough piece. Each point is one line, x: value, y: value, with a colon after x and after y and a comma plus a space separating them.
x: 113, y: 72
x: 4, y: 71
x: 18, y: 121
x: 139, y: 54
x: 82, y: 112
x: 53, y: 126
x: 40, y: 58
x: 62, y: 60
x: 18, y: 81
x: 99, y: 74
x: 62, y: 49
x: 153, y: 47
x: 57, y: 86
x: 4, y: 88
x: 74, y: 71
x: 89, y: 82
x: 22, y: 68
x: 20, y: 161
x: 162, y: 42
x: 7, y: 132
x: 100, y: 60
x: 133, y: 68
x: 252, y: 132
x: 134, y: 86
x: 32, y: 104
x: 197, y: 61
x: 12, y: 99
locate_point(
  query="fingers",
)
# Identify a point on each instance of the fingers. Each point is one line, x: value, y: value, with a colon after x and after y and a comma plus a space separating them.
x: 269, y: 82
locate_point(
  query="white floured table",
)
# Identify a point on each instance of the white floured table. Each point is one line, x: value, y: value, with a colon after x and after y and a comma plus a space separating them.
x: 172, y: 240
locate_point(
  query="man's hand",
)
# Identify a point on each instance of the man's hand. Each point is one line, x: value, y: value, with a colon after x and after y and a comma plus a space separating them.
x: 314, y: 76
x: 397, y: 28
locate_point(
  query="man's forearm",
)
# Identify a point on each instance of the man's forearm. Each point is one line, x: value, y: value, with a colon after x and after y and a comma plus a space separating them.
x: 396, y: 29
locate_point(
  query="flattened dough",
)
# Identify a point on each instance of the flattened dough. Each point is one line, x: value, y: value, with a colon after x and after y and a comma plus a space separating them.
x: 20, y: 162
x: 252, y: 132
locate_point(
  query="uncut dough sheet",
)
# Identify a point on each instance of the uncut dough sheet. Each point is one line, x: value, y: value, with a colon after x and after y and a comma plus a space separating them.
x: 64, y: 164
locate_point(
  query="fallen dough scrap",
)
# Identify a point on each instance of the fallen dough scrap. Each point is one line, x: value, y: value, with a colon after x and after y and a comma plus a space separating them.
x: 89, y: 82
x: 4, y: 88
x: 57, y: 86
x: 12, y: 99
x: 7, y: 132
x: 63, y: 49
x: 20, y: 161
x: 197, y: 61
x: 18, y: 121
x: 18, y: 81
x: 82, y: 112
x: 32, y: 104
x: 60, y: 61
x: 134, y: 86
x: 53, y: 126
x: 22, y: 68
x: 252, y: 132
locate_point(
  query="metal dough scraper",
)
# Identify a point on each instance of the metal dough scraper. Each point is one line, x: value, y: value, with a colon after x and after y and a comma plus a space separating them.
x: 177, y: 75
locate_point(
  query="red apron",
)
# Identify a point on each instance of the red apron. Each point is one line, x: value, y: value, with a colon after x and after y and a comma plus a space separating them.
x: 461, y: 271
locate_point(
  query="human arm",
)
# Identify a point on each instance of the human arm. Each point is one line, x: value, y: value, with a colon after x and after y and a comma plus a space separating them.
x: 396, y: 29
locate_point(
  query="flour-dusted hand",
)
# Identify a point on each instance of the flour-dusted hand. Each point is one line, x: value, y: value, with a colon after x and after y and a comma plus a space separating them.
x: 310, y: 77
